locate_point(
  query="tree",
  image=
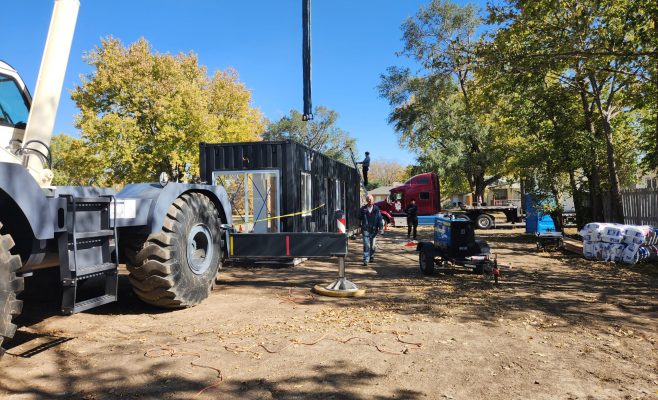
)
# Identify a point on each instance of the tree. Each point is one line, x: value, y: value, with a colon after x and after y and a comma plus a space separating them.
x: 142, y: 113
x: 73, y: 162
x: 387, y: 172
x: 592, y: 48
x: 320, y: 134
x: 441, y: 112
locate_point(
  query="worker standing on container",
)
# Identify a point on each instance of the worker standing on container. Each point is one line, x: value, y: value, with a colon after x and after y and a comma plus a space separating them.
x: 372, y: 224
x: 365, y: 164
x: 412, y: 218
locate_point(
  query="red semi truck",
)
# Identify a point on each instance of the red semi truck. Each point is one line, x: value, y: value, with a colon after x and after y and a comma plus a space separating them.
x: 425, y: 189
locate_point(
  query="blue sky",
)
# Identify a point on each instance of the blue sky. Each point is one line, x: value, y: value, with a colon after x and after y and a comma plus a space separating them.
x: 353, y: 43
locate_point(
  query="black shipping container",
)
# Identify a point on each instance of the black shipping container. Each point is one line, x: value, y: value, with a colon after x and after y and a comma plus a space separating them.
x: 266, y: 180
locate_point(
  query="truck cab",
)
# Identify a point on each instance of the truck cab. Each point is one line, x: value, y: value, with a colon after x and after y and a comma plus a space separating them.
x: 423, y: 188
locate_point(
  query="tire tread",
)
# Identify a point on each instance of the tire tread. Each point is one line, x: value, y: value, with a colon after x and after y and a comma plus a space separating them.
x: 155, y: 274
x: 10, y: 286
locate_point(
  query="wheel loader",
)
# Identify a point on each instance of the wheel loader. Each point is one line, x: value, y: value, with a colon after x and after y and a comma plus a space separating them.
x: 168, y: 234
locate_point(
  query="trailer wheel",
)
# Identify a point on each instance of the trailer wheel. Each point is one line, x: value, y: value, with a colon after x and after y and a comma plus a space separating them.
x: 484, y: 221
x: 176, y: 267
x: 10, y: 286
x: 426, y: 262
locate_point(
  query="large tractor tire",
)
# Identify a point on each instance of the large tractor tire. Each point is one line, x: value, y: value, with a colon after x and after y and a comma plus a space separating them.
x: 176, y: 267
x: 10, y: 286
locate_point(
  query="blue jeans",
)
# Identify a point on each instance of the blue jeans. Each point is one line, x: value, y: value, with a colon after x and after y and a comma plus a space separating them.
x: 369, y: 245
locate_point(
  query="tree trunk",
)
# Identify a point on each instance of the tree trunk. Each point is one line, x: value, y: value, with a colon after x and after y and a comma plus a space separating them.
x: 479, y: 188
x: 655, y: 97
x: 594, y: 177
x: 558, y: 220
x: 577, y: 201
x: 558, y: 210
x: 655, y: 151
x: 616, y: 206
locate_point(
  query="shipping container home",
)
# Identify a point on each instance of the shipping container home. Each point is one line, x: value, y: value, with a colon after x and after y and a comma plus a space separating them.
x: 282, y: 186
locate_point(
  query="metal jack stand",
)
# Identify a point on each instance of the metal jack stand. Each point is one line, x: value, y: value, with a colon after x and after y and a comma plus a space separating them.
x: 342, y: 283
x: 341, y: 287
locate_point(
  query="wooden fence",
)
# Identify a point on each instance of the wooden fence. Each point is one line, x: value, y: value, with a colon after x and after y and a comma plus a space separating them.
x: 640, y: 206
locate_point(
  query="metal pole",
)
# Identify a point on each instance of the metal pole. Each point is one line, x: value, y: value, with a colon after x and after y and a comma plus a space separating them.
x: 341, y: 267
x: 306, y: 59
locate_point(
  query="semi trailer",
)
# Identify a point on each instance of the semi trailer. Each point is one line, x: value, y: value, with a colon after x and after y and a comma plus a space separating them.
x: 425, y: 190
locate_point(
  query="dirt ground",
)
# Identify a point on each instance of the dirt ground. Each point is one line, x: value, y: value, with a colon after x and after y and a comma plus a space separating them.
x: 556, y: 327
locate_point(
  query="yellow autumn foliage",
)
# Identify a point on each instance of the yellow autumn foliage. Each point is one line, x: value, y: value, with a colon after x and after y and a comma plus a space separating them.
x: 142, y: 113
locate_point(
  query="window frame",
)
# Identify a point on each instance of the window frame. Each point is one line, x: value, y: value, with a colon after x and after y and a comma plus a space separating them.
x: 306, y: 195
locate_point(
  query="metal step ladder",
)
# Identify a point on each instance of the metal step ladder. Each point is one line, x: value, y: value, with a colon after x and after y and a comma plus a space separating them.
x: 364, y: 190
x: 86, y: 249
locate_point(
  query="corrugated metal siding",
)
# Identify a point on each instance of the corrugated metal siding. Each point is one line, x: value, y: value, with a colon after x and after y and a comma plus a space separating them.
x: 290, y: 159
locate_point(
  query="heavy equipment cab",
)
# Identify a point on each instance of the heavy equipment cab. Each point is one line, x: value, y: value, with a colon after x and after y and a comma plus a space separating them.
x: 14, y: 107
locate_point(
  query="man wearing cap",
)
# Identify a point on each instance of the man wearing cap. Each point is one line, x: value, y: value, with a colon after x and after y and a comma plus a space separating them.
x: 372, y: 224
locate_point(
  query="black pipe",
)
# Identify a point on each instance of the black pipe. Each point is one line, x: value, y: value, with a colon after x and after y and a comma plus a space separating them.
x: 306, y: 59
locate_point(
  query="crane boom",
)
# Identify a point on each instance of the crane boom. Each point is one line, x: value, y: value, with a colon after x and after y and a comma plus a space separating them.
x: 41, y: 121
x: 306, y: 59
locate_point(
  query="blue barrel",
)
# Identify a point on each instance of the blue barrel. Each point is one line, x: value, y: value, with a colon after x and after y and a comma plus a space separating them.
x: 535, y: 220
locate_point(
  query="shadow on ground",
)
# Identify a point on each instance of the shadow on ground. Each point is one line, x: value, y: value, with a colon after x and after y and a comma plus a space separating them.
x: 563, y: 287
x: 204, y: 379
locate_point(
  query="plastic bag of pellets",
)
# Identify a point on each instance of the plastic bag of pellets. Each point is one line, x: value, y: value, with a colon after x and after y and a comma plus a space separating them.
x: 637, y: 234
x: 590, y: 250
x: 647, y: 252
x: 629, y: 244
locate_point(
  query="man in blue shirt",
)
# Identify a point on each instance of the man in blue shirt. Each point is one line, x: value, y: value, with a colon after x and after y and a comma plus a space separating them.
x: 372, y: 224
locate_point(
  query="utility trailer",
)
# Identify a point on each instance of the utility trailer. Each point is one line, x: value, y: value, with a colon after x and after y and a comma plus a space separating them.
x: 455, y: 249
x: 285, y: 245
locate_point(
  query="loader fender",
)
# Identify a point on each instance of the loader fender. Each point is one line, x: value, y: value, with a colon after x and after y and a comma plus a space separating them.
x: 18, y: 186
x: 153, y: 201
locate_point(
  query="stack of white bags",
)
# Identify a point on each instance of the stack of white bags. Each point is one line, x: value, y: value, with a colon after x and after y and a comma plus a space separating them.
x: 629, y: 244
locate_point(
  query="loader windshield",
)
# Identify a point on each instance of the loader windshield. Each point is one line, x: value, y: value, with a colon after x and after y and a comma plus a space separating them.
x: 13, y: 107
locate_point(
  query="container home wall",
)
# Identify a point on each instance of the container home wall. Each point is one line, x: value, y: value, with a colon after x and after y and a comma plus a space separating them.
x: 333, y: 185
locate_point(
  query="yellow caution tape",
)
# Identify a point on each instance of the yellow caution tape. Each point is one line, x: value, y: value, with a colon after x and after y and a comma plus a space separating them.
x: 289, y: 215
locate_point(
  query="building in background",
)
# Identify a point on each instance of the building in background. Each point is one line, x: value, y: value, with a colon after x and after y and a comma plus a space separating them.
x: 381, y: 193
